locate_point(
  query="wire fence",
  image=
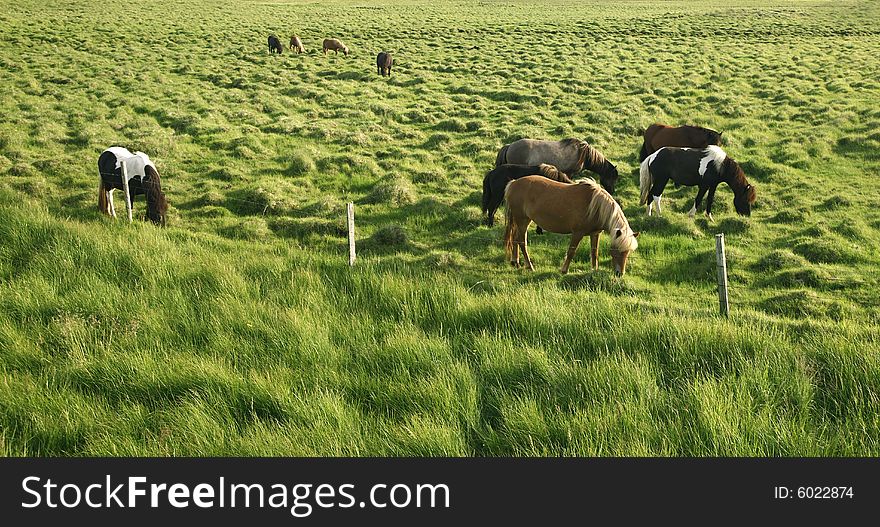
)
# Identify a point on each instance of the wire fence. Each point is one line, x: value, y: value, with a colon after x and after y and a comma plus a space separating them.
x: 738, y: 294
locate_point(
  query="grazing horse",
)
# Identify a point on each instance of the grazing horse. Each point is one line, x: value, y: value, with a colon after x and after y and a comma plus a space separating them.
x: 296, y: 44
x: 580, y: 209
x: 496, y: 181
x: 569, y: 155
x: 659, y: 135
x: 706, y: 168
x: 335, y: 45
x: 275, y: 45
x: 143, y: 178
x: 383, y: 63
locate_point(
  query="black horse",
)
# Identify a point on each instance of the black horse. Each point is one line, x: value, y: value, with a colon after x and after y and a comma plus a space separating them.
x: 496, y: 181
x: 275, y: 45
x: 383, y: 63
x: 143, y: 180
x: 705, y: 167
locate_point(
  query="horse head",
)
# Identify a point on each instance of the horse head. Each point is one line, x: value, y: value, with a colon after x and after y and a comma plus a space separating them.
x: 609, y: 177
x: 742, y: 200
x: 743, y: 192
x: 157, y: 204
x: 622, y: 243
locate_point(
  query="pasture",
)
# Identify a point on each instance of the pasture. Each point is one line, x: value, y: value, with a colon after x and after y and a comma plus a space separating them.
x: 240, y: 329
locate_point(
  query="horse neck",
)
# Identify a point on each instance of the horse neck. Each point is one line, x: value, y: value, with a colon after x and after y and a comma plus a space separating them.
x: 591, y: 160
x: 155, y: 197
x: 730, y: 175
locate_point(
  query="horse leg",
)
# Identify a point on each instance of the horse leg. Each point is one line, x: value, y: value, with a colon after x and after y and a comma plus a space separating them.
x: 522, y: 239
x: 656, y: 194
x: 709, y: 200
x: 594, y: 250
x: 110, y: 201
x: 515, y: 254
x: 697, y: 201
x: 572, y: 248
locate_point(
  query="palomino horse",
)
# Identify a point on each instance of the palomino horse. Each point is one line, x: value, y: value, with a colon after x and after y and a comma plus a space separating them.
x: 569, y: 155
x: 335, y: 45
x: 496, y: 181
x: 580, y: 209
x: 659, y: 135
x: 143, y: 178
x: 706, y: 168
x: 384, y: 61
x: 296, y: 44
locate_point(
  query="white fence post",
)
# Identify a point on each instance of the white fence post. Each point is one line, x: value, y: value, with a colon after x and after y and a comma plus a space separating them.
x: 125, y: 187
x: 351, y: 252
x: 721, y: 264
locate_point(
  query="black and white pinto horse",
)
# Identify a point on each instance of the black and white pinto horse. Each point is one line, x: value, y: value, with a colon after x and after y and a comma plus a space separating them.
x: 702, y: 167
x: 143, y: 178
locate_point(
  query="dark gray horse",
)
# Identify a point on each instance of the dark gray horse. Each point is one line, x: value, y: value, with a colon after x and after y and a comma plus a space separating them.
x: 383, y: 63
x: 275, y: 45
x: 569, y: 156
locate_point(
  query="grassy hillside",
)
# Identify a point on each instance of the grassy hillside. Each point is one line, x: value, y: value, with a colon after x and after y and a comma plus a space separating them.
x: 240, y: 329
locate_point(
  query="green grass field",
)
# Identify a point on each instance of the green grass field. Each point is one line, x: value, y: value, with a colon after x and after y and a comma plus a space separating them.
x: 241, y: 330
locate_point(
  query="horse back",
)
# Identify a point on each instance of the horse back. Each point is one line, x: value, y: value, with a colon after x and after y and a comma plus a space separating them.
x: 681, y: 165
x: 556, y: 207
x: 562, y: 155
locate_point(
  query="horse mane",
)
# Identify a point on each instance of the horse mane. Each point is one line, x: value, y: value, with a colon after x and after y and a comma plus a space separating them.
x: 606, y: 209
x: 157, y: 204
x: 589, y: 157
x: 551, y: 172
x: 736, y: 178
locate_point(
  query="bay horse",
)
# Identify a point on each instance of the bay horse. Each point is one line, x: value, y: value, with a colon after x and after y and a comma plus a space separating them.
x: 496, y: 181
x: 581, y: 209
x: 275, y: 45
x: 384, y: 61
x: 296, y: 44
x: 705, y: 167
x: 335, y: 45
x: 568, y: 155
x: 659, y: 135
x: 143, y: 179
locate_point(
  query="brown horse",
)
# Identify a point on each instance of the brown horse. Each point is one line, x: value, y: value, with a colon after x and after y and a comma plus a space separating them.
x: 334, y: 45
x: 296, y: 44
x: 579, y: 209
x: 659, y: 135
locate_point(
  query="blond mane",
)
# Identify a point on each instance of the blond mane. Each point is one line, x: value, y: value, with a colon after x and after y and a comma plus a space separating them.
x: 608, y: 212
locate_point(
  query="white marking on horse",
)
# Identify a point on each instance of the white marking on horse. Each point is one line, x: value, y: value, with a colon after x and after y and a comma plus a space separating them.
x: 657, y: 201
x: 650, y: 159
x: 714, y: 154
x: 692, y: 211
x: 134, y: 162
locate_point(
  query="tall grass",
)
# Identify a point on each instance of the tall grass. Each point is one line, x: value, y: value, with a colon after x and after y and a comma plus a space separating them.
x: 241, y: 330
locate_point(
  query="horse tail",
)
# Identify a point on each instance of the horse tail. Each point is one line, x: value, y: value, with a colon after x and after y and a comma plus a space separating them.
x: 508, y: 224
x: 644, y: 153
x: 502, y: 156
x: 103, y: 204
x: 508, y: 228
x: 646, y: 181
x: 487, y: 192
